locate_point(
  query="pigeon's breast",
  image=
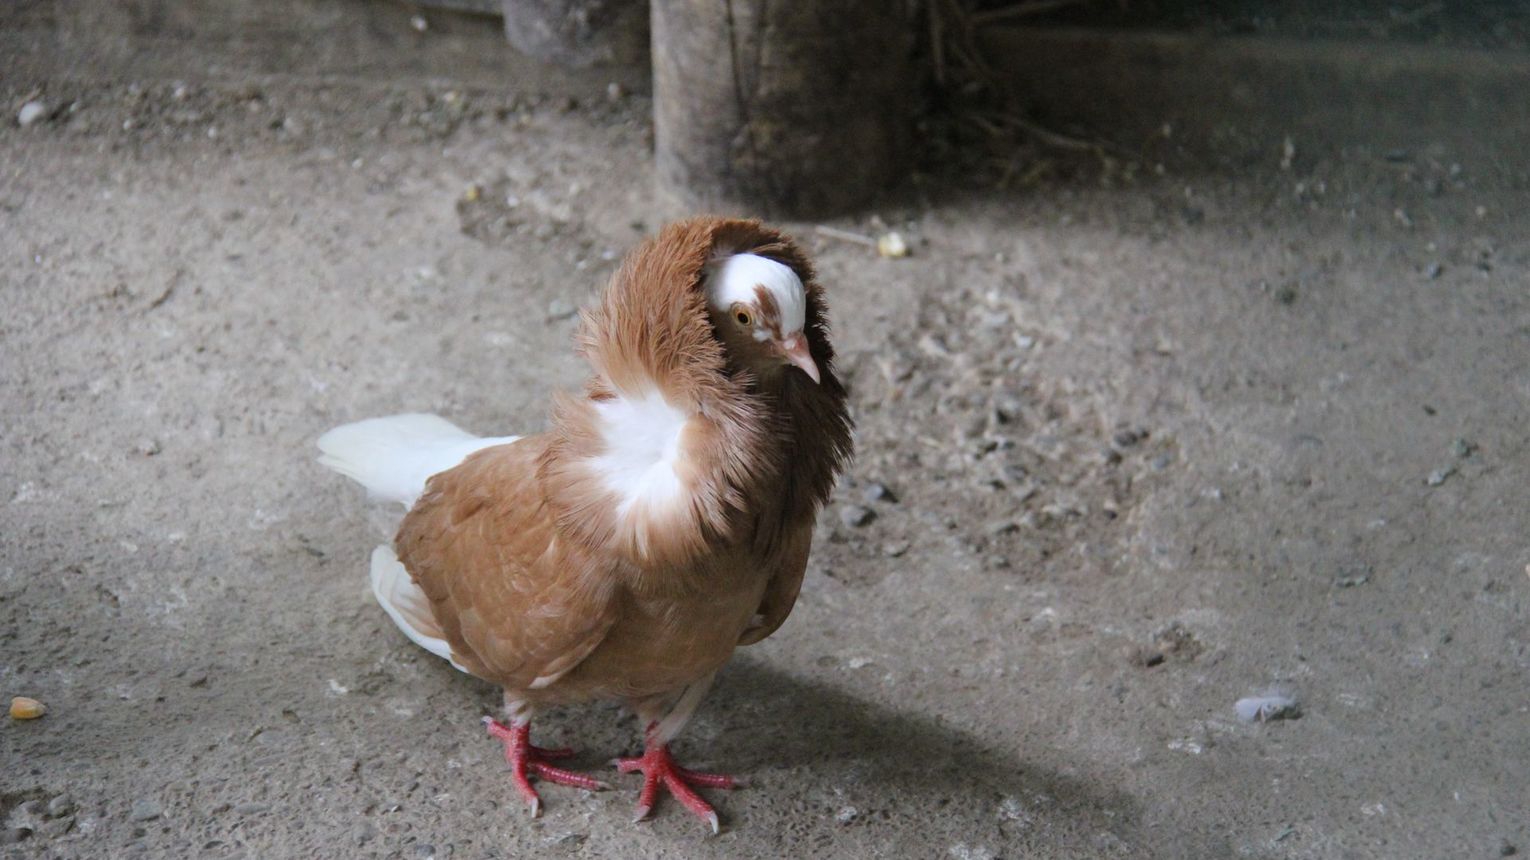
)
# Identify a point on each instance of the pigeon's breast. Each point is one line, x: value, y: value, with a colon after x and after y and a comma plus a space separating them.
x: 643, y: 452
x: 663, y: 643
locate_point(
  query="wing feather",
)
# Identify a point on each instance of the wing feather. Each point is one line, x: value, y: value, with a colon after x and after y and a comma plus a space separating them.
x: 782, y: 588
x: 519, y: 607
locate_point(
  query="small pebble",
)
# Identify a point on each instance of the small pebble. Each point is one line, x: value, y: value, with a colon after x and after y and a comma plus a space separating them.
x: 1144, y: 656
x: 31, y: 112
x: 23, y: 708
x: 1161, y: 462
x: 1507, y: 849
x: 1263, y: 709
x: 1352, y: 579
x: 933, y: 346
x: 363, y: 832
x: 615, y: 91
x: 147, y: 447
x: 1003, y: 527
x: 1433, y: 271
x: 60, y: 806
x: 1402, y: 217
x: 145, y: 810
x: 1462, y: 448
x: 899, y: 548
x: 1438, y: 476
x: 419, y: 23
x: 878, y: 492
x: 1126, y: 438
x: 856, y: 516
x: 560, y: 309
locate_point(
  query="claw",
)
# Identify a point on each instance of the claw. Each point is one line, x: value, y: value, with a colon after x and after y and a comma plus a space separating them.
x: 659, y: 770
x: 527, y: 760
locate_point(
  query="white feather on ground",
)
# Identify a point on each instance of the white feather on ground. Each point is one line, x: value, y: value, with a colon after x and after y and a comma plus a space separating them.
x: 1262, y: 709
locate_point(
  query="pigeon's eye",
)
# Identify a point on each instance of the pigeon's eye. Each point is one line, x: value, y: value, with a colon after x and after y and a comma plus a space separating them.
x: 743, y: 316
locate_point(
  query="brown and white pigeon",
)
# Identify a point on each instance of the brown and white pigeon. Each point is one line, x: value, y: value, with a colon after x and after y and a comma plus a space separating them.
x: 664, y: 520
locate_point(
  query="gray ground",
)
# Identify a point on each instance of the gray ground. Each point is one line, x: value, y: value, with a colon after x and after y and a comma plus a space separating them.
x: 1154, y: 449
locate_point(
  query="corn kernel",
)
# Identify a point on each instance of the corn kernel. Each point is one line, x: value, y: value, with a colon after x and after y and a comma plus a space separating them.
x: 892, y: 245
x: 23, y: 708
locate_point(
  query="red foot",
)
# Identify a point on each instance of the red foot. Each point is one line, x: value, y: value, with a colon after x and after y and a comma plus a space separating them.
x: 660, y: 769
x: 525, y: 760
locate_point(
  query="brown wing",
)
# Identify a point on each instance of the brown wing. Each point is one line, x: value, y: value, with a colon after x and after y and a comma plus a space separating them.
x: 785, y: 582
x: 519, y: 606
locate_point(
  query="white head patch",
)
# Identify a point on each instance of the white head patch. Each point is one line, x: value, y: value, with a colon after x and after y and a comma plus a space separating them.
x: 736, y: 278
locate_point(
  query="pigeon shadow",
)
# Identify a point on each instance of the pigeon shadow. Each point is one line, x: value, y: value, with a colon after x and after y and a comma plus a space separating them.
x: 894, y: 764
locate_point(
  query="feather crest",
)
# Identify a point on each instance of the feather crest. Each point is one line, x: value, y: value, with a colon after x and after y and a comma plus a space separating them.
x: 753, y: 460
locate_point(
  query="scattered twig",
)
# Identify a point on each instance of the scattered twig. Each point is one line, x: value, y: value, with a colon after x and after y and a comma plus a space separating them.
x: 169, y: 290
x: 162, y: 298
x: 982, y: 99
x: 845, y: 235
x: 1057, y: 139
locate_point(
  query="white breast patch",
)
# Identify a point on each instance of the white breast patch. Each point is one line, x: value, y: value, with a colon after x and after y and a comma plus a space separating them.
x: 642, y: 436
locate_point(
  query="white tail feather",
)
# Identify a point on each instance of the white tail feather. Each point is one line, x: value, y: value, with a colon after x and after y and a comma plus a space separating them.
x: 393, y: 457
x: 407, y: 605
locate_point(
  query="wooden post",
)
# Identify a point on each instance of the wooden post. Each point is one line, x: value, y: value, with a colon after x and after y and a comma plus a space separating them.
x: 787, y: 108
x: 579, y: 33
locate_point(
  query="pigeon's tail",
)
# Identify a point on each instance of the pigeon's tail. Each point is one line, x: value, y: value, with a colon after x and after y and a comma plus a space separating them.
x: 407, y: 605
x: 393, y: 457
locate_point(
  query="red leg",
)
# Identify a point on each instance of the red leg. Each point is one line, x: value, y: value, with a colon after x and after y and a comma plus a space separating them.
x: 659, y: 769
x: 526, y: 760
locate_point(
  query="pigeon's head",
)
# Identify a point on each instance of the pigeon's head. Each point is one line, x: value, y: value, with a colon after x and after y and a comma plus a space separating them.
x: 759, y: 307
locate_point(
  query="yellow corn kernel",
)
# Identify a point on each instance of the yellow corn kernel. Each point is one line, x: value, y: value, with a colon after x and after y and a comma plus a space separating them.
x: 23, y: 708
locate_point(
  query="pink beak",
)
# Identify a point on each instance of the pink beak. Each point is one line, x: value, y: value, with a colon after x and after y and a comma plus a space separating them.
x: 795, y: 349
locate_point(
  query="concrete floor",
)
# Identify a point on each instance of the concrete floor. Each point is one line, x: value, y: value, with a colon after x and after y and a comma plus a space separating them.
x: 1155, y: 448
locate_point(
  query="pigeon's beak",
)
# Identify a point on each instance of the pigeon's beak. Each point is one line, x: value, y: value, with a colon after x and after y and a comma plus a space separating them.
x: 794, y: 348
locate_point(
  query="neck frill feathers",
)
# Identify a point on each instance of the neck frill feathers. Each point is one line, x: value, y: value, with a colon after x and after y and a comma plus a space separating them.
x: 671, y: 451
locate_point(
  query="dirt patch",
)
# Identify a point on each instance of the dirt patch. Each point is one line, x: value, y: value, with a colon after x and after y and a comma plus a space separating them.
x: 1089, y: 419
